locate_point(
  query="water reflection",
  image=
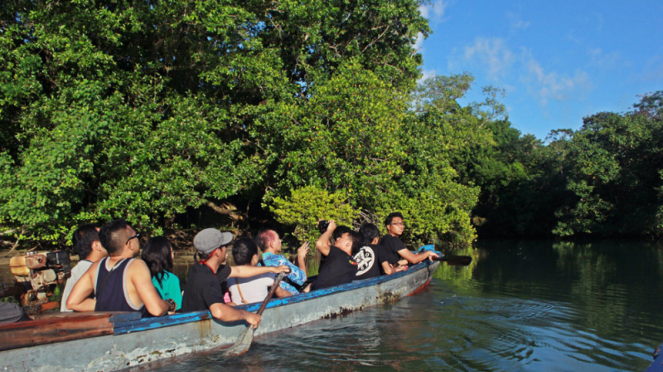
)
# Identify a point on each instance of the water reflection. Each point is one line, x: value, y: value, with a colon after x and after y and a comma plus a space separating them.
x: 520, y: 306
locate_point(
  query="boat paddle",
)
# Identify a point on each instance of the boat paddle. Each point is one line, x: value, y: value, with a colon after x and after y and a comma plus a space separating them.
x: 455, y: 260
x: 243, y: 343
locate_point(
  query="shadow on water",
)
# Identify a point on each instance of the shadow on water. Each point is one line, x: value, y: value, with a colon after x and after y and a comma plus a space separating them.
x: 520, y: 306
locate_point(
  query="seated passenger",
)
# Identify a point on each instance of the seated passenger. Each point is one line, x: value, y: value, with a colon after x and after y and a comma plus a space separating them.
x: 253, y: 289
x: 395, y: 248
x: 158, y: 255
x: 371, y: 258
x: 203, y: 286
x: 120, y: 282
x: 270, y: 243
x: 337, y: 266
x: 89, y: 249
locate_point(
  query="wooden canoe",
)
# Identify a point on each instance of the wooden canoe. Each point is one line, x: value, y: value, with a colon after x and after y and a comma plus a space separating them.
x: 108, y: 342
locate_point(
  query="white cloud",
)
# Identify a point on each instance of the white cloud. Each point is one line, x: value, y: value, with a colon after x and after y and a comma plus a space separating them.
x: 551, y: 85
x: 492, y: 52
x: 418, y: 45
x: 516, y: 22
x: 434, y: 12
x: 520, y: 24
x: 604, y: 60
x: 427, y: 74
x: 502, y: 63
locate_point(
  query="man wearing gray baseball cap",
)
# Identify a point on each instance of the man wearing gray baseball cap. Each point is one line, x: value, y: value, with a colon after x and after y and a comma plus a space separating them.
x: 203, y: 286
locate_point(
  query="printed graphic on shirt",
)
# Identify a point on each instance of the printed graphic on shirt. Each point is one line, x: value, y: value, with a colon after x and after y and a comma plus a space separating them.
x: 365, y: 259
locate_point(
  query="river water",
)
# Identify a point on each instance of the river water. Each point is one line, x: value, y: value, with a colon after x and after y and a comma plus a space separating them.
x: 520, y: 306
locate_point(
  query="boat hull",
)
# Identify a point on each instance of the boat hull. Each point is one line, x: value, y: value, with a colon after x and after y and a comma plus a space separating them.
x: 139, y: 341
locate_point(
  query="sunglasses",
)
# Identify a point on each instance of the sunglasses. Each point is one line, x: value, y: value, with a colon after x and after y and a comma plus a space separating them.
x: 133, y: 237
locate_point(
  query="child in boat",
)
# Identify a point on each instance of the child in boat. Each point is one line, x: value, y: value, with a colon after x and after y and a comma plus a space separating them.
x: 253, y: 289
x: 158, y: 255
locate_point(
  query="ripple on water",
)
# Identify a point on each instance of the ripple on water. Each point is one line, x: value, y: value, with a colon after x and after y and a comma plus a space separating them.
x: 500, y: 320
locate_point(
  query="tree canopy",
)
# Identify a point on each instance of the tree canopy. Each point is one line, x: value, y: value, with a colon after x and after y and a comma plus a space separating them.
x: 148, y: 110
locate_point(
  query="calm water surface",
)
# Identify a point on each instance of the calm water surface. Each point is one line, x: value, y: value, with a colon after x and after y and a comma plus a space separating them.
x: 521, y: 306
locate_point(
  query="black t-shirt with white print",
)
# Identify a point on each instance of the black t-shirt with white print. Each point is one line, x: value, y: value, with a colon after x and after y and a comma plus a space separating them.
x: 369, y: 261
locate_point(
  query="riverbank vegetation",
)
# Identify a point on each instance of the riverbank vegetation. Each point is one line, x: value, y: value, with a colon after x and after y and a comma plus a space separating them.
x: 178, y: 115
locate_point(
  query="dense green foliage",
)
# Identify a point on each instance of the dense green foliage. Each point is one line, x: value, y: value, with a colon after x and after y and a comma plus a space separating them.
x: 148, y: 110
x: 306, y: 206
x: 604, y: 179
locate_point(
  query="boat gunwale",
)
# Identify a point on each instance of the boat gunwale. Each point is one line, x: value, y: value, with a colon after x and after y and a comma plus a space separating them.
x: 122, y: 326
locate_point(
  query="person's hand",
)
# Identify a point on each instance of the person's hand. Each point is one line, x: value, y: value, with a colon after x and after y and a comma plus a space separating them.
x: 432, y: 255
x: 302, y: 251
x: 332, y: 226
x: 281, y: 269
x: 252, y: 319
x: 400, y: 268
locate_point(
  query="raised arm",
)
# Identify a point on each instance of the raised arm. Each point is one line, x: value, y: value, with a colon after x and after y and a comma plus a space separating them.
x: 250, y: 271
x: 415, y: 258
x: 323, y: 244
x: 142, y: 281
x: 301, y: 258
x: 79, y: 298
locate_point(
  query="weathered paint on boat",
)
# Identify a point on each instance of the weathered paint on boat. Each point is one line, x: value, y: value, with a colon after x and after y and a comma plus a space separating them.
x: 139, y: 341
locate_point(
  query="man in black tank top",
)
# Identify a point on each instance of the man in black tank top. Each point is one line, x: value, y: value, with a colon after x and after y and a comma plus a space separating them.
x: 119, y: 282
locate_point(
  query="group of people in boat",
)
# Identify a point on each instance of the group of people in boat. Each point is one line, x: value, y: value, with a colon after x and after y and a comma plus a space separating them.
x: 111, y: 276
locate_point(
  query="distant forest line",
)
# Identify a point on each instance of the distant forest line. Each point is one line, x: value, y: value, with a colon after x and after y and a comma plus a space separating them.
x: 178, y: 115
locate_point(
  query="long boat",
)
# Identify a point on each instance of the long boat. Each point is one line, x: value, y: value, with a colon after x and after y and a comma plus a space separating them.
x: 115, y: 341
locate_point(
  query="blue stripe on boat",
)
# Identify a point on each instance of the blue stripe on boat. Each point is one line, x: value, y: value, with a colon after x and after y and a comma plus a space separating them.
x: 127, y: 323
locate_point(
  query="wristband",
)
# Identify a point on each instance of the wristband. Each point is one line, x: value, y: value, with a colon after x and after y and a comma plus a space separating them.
x: 171, y: 304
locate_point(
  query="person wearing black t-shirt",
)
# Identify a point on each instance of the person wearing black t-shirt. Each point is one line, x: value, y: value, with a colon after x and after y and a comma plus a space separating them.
x: 338, y: 267
x: 394, y: 246
x: 372, y: 259
x: 203, y: 286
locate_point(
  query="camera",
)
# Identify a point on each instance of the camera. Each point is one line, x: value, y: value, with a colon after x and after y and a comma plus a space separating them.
x: 322, y: 226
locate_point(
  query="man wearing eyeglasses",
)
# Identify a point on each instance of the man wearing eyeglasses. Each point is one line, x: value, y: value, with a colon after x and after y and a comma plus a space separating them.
x: 120, y: 282
x: 396, y: 250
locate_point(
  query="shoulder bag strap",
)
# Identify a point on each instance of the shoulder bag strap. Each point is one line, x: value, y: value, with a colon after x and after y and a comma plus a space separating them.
x: 240, y: 291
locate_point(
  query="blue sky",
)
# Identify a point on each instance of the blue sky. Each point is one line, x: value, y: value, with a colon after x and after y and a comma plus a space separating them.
x: 558, y: 61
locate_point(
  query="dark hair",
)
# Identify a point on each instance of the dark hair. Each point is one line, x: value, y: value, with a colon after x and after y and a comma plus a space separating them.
x: 83, y: 238
x: 387, y: 221
x: 157, y: 254
x: 243, y: 250
x: 339, y: 231
x: 111, y: 236
x: 356, y: 238
x: 369, y: 232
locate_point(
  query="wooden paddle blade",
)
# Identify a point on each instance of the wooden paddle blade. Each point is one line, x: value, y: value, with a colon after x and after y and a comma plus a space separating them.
x: 457, y: 260
x: 242, y: 344
x: 244, y: 341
